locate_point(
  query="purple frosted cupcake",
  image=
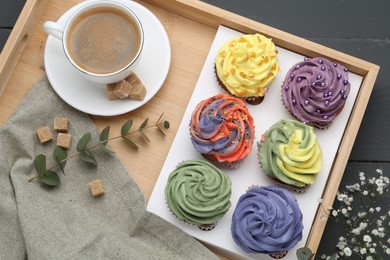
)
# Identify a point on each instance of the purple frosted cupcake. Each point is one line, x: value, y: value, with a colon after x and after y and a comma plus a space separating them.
x: 315, y: 91
x: 267, y: 220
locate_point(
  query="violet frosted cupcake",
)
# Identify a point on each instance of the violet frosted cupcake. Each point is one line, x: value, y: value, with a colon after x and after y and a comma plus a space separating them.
x: 290, y: 154
x: 315, y: 91
x: 222, y: 129
x: 246, y: 66
x: 198, y: 193
x: 267, y: 220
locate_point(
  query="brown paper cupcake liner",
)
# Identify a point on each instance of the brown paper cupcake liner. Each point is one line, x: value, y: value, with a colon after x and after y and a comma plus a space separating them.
x: 278, y: 255
x: 231, y: 165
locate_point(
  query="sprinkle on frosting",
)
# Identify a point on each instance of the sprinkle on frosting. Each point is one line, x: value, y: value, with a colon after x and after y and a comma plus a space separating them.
x: 221, y: 126
x: 318, y: 92
x: 198, y: 192
x: 267, y: 220
x: 290, y: 153
x: 247, y: 65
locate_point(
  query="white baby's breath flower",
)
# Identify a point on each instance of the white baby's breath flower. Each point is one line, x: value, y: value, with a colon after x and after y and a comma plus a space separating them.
x: 367, y: 238
x: 378, y: 209
x: 372, y: 250
x: 371, y: 210
x: 369, y: 258
x: 334, y: 213
x: 375, y: 232
x: 347, y: 251
x: 356, y: 231
x: 365, y: 192
x: 363, y: 225
x: 388, y: 251
x: 363, y: 251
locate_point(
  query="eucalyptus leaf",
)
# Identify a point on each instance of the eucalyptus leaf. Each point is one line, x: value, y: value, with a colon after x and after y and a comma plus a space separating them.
x: 50, y: 178
x: 160, y: 118
x: 159, y: 128
x: 82, y: 144
x: 103, y: 137
x: 126, y: 127
x: 60, y: 155
x: 144, y: 135
x: 131, y: 143
x: 40, y: 163
x: 304, y: 253
x: 166, y: 124
x: 142, y: 126
x: 88, y: 157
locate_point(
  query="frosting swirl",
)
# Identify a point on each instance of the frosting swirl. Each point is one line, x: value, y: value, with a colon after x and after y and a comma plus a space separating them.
x: 267, y: 220
x: 198, y: 192
x: 315, y: 91
x: 289, y: 152
x: 221, y: 126
x: 247, y: 65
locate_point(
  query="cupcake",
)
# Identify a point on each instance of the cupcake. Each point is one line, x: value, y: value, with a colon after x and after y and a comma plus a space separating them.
x: 315, y: 90
x: 198, y: 193
x: 267, y: 220
x: 290, y: 154
x: 246, y: 66
x: 222, y: 129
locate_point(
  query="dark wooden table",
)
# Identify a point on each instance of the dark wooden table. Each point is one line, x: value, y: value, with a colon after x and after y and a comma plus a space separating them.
x: 356, y: 27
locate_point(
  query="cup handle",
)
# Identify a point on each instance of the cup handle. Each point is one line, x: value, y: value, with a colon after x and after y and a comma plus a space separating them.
x: 54, y: 29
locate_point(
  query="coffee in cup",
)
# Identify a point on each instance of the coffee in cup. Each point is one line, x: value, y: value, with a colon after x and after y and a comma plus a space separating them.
x: 103, y: 40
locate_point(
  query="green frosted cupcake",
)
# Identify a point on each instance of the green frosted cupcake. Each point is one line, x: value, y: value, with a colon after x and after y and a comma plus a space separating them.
x: 198, y: 193
x: 290, y: 154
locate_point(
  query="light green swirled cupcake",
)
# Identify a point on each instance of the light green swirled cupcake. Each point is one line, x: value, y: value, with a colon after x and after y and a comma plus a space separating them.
x: 198, y: 193
x: 289, y: 152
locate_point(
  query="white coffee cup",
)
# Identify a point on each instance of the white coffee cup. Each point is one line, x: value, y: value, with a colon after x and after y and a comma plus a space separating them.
x: 103, y: 40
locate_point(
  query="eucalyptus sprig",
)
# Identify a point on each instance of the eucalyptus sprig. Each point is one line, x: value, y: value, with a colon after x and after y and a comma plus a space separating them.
x: 48, y: 175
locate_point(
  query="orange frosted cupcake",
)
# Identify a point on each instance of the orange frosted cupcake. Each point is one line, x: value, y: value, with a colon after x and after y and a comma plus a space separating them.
x: 222, y: 129
x: 246, y: 66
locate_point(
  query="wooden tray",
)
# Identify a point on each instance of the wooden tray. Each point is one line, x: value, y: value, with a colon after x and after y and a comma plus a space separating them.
x: 191, y: 26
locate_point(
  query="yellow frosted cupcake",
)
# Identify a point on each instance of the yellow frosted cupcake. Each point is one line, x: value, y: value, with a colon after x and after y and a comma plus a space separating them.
x: 246, y: 66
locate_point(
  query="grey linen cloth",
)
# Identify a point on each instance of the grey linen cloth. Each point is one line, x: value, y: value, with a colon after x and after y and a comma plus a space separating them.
x: 67, y: 222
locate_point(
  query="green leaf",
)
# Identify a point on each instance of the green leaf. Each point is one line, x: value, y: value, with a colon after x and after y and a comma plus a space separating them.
x: 160, y: 118
x: 88, y: 157
x: 103, y: 137
x: 142, y: 126
x: 49, y: 178
x: 40, y: 163
x: 147, y: 138
x: 166, y: 124
x: 162, y: 131
x: 304, y: 253
x: 82, y: 144
x: 333, y: 257
x: 126, y: 128
x: 131, y: 143
x: 59, y: 155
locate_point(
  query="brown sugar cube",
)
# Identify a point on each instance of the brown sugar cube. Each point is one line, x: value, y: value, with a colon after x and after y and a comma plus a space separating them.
x: 138, y: 92
x: 133, y: 79
x: 61, y: 124
x: 96, y: 187
x: 122, y: 89
x: 44, y: 134
x: 110, y: 92
x: 64, y: 140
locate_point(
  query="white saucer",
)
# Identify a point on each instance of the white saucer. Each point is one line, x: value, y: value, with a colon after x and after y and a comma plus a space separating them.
x: 90, y: 97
